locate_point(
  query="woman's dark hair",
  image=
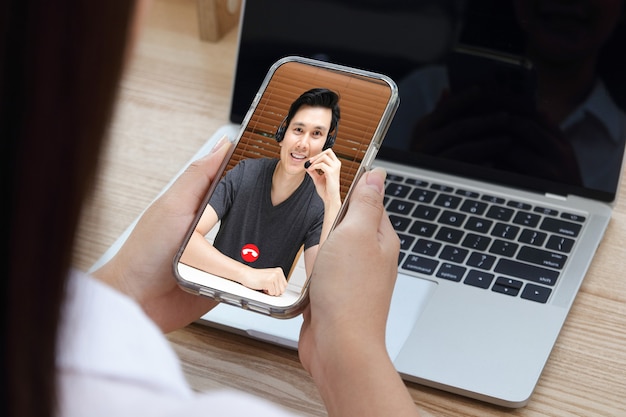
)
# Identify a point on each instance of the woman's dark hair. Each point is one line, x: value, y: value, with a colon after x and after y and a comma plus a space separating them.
x: 61, y: 63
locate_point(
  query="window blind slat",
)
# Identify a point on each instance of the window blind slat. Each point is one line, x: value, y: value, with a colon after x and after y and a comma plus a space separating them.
x: 361, y: 101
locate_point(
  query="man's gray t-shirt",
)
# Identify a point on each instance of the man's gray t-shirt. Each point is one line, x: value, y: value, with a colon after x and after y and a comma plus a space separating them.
x: 242, y: 201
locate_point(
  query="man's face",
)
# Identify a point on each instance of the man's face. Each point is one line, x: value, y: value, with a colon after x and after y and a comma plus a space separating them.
x: 304, y: 137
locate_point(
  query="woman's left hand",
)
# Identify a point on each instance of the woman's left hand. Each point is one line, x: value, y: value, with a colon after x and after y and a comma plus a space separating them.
x: 142, y: 269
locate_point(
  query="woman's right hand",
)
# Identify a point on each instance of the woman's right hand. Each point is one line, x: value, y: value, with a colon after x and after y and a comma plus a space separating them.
x: 342, y: 341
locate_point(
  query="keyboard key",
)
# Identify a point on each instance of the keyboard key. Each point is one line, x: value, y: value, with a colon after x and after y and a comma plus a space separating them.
x: 399, y: 223
x: 505, y: 231
x: 451, y: 272
x: 562, y: 244
x: 509, y: 283
x: 525, y: 271
x: 476, y: 224
x: 503, y: 247
x: 400, y: 257
x: 426, y: 212
x: 405, y: 241
x: 561, y: 227
x: 441, y: 187
x: 416, y: 182
x: 447, y: 201
x: 449, y: 235
x: 493, y: 199
x: 536, y: 293
x: 394, y: 177
x: 505, y: 290
x: 500, y: 213
x: 533, y: 237
x: 481, y: 260
x: 573, y: 217
x: 542, y: 257
x: 478, y: 242
x: 478, y: 279
x: 507, y: 286
x: 422, y: 196
x: 527, y: 219
x: 466, y: 193
x: 452, y: 218
x: 420, y: 264
x: 546, y: 211
x: 422, y: 228
x: 519, y: 205
x: 453, y: 254
x: 474, y: 207
x: 426, y: 247
x: 400, y: 207
x: 394, y: 189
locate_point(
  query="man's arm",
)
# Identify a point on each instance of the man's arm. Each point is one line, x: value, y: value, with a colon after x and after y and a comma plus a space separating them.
x: 325, y: 170
x: 201, y: 254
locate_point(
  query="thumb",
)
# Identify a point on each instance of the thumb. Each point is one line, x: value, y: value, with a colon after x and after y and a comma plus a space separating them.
x: 366, y: 201
x: 191, y: 186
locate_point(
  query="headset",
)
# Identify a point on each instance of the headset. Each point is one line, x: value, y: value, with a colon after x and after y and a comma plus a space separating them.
x: 330, y: 138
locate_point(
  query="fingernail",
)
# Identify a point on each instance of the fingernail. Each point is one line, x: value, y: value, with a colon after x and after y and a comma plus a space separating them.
x: 223, y: 140
x: 376, y: 179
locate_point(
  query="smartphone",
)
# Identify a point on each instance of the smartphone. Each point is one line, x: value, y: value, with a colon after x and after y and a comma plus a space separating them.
x: 312, y: 129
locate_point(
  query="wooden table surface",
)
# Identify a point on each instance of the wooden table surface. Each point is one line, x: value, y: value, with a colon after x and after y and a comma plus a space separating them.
x: 175, y: 94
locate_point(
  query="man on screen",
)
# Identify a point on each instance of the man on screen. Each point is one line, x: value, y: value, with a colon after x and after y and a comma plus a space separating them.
x: 270, y: 208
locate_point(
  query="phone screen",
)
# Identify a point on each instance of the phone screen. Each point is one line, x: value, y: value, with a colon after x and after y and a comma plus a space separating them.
x: 312, y: 129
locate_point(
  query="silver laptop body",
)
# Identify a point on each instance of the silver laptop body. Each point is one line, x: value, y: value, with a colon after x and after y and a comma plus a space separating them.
x: 480, y: 323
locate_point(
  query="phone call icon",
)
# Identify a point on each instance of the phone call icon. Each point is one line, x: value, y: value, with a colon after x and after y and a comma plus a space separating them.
x: 250, y: 252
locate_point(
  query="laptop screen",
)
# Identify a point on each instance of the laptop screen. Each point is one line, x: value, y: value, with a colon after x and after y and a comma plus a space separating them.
x: 519, y: 92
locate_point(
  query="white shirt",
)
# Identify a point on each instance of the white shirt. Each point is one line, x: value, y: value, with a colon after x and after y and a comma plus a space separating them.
x: 114, y: 361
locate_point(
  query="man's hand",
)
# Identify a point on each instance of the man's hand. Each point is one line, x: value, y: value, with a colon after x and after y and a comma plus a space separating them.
x: 325, y: 169
x: 271, y: 281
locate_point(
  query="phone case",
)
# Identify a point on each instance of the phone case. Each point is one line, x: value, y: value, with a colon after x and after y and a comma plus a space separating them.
x: 266, y: 140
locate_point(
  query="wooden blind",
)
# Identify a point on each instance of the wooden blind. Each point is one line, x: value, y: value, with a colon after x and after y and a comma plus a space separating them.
x: 361, y: 102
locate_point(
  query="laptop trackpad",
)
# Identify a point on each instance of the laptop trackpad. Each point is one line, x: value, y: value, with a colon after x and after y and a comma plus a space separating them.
x: 409, y: 299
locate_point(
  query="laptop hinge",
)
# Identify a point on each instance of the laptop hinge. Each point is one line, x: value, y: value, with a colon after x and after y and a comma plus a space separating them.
x: 556, y: 196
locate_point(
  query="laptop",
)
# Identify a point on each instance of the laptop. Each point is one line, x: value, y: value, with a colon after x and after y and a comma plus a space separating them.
x: 496, y: 236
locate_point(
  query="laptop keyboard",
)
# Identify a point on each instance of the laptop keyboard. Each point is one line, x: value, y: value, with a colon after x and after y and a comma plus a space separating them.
x: 497, y: 244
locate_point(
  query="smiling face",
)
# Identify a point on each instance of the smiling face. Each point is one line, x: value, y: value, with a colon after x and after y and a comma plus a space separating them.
x: 304, y: 137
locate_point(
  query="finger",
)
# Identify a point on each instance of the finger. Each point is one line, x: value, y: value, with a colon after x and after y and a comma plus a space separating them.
x: 366, y: 203
x: 328, y: 155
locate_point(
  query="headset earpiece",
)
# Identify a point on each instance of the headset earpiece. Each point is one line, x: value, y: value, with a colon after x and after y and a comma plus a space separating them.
x: 280, y: 132
x: 330, y: 139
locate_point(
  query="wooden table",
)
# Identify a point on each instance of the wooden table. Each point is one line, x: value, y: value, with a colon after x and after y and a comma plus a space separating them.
x: 175, y: 94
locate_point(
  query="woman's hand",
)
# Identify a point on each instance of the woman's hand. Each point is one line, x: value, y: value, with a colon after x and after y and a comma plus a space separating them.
x: 142, y: 269
x: 342, y: 340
